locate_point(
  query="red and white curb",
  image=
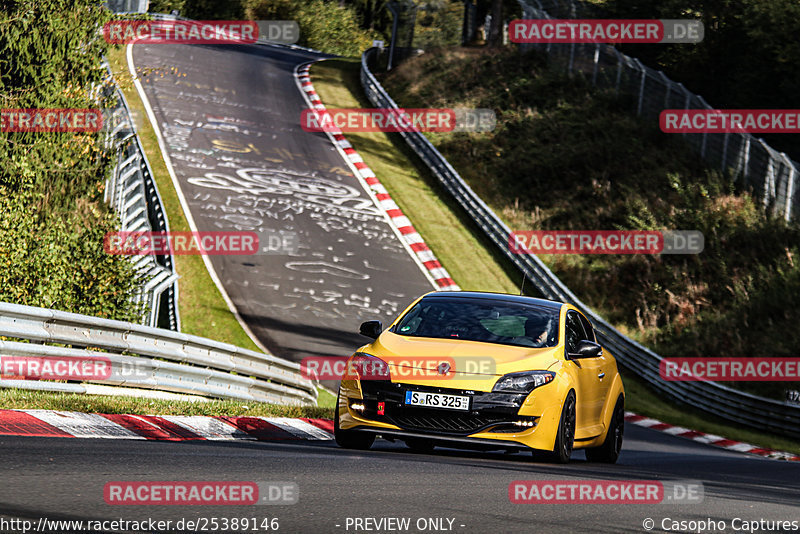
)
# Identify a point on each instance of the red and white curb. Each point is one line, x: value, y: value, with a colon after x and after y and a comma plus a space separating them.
x: 708, y: 439
x: 52, y: 423
x: 403, y: 225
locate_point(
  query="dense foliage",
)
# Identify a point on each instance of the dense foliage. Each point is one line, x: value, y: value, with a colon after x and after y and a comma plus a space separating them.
x: 52, y: 214
x: 326, y: 26
x: 749, y: 57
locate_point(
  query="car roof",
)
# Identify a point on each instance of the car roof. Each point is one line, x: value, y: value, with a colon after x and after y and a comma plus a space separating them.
x: 504, y: 297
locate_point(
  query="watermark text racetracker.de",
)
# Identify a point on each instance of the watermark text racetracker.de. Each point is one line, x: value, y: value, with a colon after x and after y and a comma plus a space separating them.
x: 201, y: 243
x: 606, y: 242
x: 398, y: 120
x: 730, y: 121
x: 75, y: 366
x: 730, y: 369
x: 200, y: 32
x: 606, y: 492
x: 51, y: 120
x: 200, y: 493
x: 605, y: 31
x: 366, y: 367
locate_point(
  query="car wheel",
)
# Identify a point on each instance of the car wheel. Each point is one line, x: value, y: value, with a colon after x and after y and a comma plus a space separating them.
x: 350, y: 439
x: 420, y: 445
x: 565, y: 439
x: 609, y: 451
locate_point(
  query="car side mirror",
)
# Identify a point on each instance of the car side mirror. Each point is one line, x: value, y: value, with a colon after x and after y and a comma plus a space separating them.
x: 586, y: 349
x: 371, y: 329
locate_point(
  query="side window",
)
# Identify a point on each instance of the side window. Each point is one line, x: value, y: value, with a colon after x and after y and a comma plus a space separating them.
x: 587, y: 327
x: 575, y: 331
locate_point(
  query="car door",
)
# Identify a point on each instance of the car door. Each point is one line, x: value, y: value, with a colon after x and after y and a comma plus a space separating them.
x: 591, y: 380
x: 606, y: 369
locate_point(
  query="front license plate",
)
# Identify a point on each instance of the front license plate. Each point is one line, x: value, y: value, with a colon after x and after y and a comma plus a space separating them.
x: 437, y: 400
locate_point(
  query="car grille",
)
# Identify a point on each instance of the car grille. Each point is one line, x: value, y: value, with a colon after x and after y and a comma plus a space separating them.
x: 489, y: 411
x: 455, y: 423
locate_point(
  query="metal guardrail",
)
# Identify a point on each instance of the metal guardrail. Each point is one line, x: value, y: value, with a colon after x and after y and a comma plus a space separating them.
x: 716, y: 399
x: 153, y: 358
x: 772, y: 175
x: 132, y: 192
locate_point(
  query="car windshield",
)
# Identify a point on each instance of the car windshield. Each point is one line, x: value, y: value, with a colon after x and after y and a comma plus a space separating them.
x: 507, y: 323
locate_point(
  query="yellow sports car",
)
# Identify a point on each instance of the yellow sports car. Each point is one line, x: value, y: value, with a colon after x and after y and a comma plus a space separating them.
x: 484, y: 371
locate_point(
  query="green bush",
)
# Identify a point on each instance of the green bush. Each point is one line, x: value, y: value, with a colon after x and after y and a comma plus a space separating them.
x: 438, y: 24
x: 213, y: 9
x: 51, y: 184
x: 324, y: 26
x: 166, y: 6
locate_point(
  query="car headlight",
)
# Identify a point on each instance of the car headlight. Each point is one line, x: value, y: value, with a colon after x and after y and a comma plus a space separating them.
x: 524, y: 382
x: 363, y: 366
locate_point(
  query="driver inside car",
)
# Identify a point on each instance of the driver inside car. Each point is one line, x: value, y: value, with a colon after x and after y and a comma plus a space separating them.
x: 537, y: 332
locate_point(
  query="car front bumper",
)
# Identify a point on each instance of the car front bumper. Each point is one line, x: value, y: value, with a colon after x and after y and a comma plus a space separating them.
x: 491, y: 421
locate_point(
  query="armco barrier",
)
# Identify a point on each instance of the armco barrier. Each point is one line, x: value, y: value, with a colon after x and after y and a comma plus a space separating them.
x: 132, y: 193
x: 163, y: 360
x: 716, y: 399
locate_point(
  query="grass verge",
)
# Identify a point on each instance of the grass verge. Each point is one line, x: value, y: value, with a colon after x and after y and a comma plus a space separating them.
x: 472, y: 262
x: 23, y: 400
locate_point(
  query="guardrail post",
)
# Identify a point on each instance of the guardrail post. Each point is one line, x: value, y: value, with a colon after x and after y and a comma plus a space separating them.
x: 395, y: 17
x: 705, y: 134
x: 787, y: 211
x: 747, y: 158
x: 687, y: 100
x: 641, y: 87
x: 724, y: 165
x: 571, y: 57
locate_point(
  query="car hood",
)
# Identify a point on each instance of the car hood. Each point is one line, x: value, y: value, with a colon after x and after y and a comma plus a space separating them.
x: 474, y: 365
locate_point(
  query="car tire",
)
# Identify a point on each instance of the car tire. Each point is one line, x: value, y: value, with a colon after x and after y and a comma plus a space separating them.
x: 420, y: 444
x: 565, y: 439
x: 350, y: 439
x: 608, y: 452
